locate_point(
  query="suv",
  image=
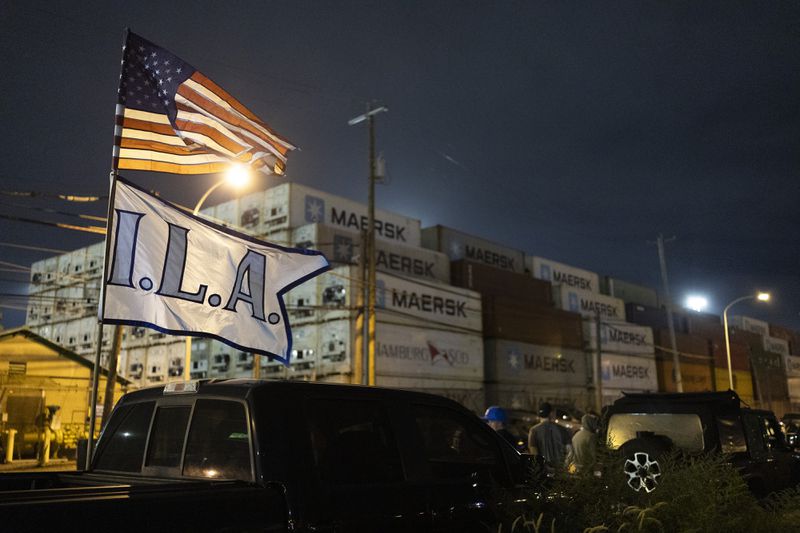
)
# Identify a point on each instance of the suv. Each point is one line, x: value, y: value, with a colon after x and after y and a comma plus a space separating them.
x: 646, y: 426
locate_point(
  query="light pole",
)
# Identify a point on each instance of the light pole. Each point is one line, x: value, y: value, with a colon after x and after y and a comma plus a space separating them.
x: 237, y: 177
x: 761, y: 297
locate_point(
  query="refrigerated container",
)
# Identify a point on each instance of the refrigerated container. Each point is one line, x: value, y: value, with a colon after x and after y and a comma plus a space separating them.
x: 656, y: 318
x: 508, y: 361
x: 747, y: 323
x: 458, y: 246
x: 693, y: 345
x: 590, y: 304
x: 629, y: 292
x: 790, y: 336
x: 560, y: 274
x: 343, y: 246
x: 291, y: 205
x: 776, y: 345
x: 628, y: 372
x: 742, y: 383
x: 619, y: 337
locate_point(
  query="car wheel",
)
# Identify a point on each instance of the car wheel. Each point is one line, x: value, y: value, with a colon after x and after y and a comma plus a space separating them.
x: 642, y: 468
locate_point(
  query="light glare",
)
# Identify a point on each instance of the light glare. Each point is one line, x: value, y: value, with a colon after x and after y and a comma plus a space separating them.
x: 763, y: 296
x: 237, y: 176
x: 697, y: 303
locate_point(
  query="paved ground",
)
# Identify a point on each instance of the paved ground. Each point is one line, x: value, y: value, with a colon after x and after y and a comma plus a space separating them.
x: 30, y: 465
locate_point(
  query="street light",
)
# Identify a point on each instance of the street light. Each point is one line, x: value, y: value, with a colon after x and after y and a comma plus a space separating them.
x: 237, y: 177
x: 761, y: 297
x: 696, y: 302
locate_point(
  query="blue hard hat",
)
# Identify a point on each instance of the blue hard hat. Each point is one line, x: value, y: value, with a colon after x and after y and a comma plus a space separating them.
x: 495, y: 413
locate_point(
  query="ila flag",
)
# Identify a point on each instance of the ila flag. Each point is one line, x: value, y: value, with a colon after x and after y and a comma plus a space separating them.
x: 179, y: 274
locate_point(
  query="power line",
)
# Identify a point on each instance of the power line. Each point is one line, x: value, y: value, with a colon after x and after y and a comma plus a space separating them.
x: 34, y: 248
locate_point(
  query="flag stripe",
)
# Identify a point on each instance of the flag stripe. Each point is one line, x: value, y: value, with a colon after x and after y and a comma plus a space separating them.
x: 148, y: 126
x: 230, y: 118
x: 224, y: 95
x: 138, y: 144
x: 144, y: 135
x: 186, y: 120
x: 183, y: 159
x: 231, y: 104
x: 171, y: 168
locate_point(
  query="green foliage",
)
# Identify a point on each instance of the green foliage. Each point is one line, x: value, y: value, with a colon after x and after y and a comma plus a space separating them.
x: 695, y: 494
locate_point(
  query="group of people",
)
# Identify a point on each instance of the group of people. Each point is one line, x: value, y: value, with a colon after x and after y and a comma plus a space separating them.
x: 551, y: 442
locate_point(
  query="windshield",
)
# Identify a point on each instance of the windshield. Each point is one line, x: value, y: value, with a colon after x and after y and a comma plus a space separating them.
x: 684, y: 430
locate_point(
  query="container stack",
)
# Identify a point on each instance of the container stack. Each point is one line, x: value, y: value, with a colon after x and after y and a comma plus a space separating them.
x: 428, y: 332
x: 627, y: 361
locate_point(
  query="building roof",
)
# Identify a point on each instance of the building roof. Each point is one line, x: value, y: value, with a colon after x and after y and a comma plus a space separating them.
x: 24, y: 345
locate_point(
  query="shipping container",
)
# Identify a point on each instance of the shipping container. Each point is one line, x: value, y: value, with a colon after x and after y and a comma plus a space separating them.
x: 227, y: 213
x: 458, y: 246
x: 64, y: 275
x: 790, y: 336
x: 740, y: 353
x: 793, y: 384
x: 508, y: 361
x: 619, y: 337
x: 493, y: 282
x: 769, y: 376
x: 703, y: 324
x: 792, y: 365
x: 157, y: 363
x: 695, y: 376
x: 747, y: 323
x: 590, y: 304
x: 505, y: 318
x: 94, y: 258
x: 291, y: 205
x: 742, y: 383
x: 342, y: 246
x: 628, y: 372
x: 252, y: 213
x: 335, y: 294
x: 528, y: 398
x: 776, y: 345
x: 629, y: 292
x: 654, y: 317
x: 688, y: 345
x: 560, y: 274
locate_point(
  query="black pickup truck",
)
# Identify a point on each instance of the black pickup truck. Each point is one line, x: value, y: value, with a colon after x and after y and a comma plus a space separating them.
x: 245, y: 455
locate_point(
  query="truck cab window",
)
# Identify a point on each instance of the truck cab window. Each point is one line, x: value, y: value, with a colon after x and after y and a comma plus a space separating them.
x: 219, y: 442
x: 352, y: 444
x: 123, y: 450
x: 456, y: 447
x: 166, y: 441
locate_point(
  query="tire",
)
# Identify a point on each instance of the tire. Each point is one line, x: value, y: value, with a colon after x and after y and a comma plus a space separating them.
x: 642, y: 461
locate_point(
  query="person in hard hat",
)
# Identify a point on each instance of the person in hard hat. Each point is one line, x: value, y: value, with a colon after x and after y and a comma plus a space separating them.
x: 497, y: 419
x: 548, y: 440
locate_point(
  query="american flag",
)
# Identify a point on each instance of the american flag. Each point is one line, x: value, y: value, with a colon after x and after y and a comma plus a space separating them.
x: 171, y: 118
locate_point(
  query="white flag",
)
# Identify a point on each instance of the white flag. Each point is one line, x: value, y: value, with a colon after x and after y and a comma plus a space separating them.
x: 179, y: 274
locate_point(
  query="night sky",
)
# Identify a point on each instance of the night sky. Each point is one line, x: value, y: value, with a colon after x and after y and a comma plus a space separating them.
x: 576, y: 131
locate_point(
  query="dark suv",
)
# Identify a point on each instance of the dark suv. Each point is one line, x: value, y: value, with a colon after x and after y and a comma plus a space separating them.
x: 646, y: 426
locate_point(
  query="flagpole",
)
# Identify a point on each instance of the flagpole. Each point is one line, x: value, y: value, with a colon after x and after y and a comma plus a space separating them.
x: 101, y: 308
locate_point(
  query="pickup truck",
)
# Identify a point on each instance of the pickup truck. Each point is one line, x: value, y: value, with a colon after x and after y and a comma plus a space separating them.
x: 247, y: 455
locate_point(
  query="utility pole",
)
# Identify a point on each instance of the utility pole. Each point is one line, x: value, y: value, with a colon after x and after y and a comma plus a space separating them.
x: 359, y: 349
x: 676, y: 360
x: 111, y: 378
x: 597, y: 365
x: 369, y: 116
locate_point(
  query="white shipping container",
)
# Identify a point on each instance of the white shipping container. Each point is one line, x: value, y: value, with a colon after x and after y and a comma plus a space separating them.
x: 64, y: 276
x: 51, y: 269
x: 38, y: 270
x: 78, y: 263
x: 227, y: 213
x: 589, y: 304
x: 458, y: 245
x: 749, y: 324
x: 519, y: 362
x: 291, y: 205
x: 619, y: 337
x: 628, y: 372
x: 426, y: 353
x: 251, y: 212
x: 94, y: 259
x: 342, y: 246
x: 776, y: 345
x: 335, y: 295
x: 563, y: 275
x: 792, y: 363
x: 135, y: 364
x: 157, y: 364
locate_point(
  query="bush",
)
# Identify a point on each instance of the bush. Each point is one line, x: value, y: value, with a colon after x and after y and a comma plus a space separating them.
x: 695, y: 494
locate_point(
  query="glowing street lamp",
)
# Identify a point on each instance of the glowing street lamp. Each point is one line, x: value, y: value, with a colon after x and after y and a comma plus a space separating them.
x: 696, y: 302
x: 761, y: 297
x: 237, y: 177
